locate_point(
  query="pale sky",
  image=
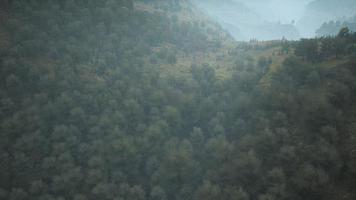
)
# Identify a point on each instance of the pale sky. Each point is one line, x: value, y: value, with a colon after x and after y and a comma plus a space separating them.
x: 278, y: 10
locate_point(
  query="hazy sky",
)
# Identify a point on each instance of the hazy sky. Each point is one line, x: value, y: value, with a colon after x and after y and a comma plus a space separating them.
x: 278, y: 10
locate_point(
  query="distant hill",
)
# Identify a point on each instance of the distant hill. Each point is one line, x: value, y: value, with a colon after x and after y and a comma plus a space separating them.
x: 332, y: 28
x: 320, y: 11
x: 337, y: 8
x: 244, y: 23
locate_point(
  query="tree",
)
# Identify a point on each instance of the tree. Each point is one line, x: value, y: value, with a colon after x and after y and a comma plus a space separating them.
x: 157, y: 193
x: 344, y: 32
x: 308, y: 49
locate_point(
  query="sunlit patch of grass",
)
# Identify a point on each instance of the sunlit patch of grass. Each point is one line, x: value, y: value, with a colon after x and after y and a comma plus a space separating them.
x: 182, y: 68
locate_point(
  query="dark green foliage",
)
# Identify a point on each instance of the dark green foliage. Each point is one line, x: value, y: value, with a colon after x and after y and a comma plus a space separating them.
x: 308, y: 49
x: 85, y: 114
x: 319, y: 49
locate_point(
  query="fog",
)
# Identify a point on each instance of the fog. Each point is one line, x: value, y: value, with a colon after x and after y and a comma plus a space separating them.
x: 284, y: 11
x: 275, y: 19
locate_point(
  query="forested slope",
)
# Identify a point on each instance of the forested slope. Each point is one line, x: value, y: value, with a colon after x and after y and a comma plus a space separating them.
x: 131, y: 100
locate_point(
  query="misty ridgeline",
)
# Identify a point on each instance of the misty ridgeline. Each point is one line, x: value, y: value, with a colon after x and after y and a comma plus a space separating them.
x: 177, y: 100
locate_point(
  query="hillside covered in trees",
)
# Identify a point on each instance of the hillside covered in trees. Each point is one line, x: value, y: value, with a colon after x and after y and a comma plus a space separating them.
x: 151, y: 100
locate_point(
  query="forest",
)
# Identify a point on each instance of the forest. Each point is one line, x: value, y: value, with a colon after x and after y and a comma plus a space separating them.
x: 152, y: 100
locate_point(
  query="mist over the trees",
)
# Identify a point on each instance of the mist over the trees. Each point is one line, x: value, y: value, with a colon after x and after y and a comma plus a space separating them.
x: 276, y: 19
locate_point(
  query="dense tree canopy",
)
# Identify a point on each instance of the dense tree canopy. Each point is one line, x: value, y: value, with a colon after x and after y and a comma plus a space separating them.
x: 86, y: 112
